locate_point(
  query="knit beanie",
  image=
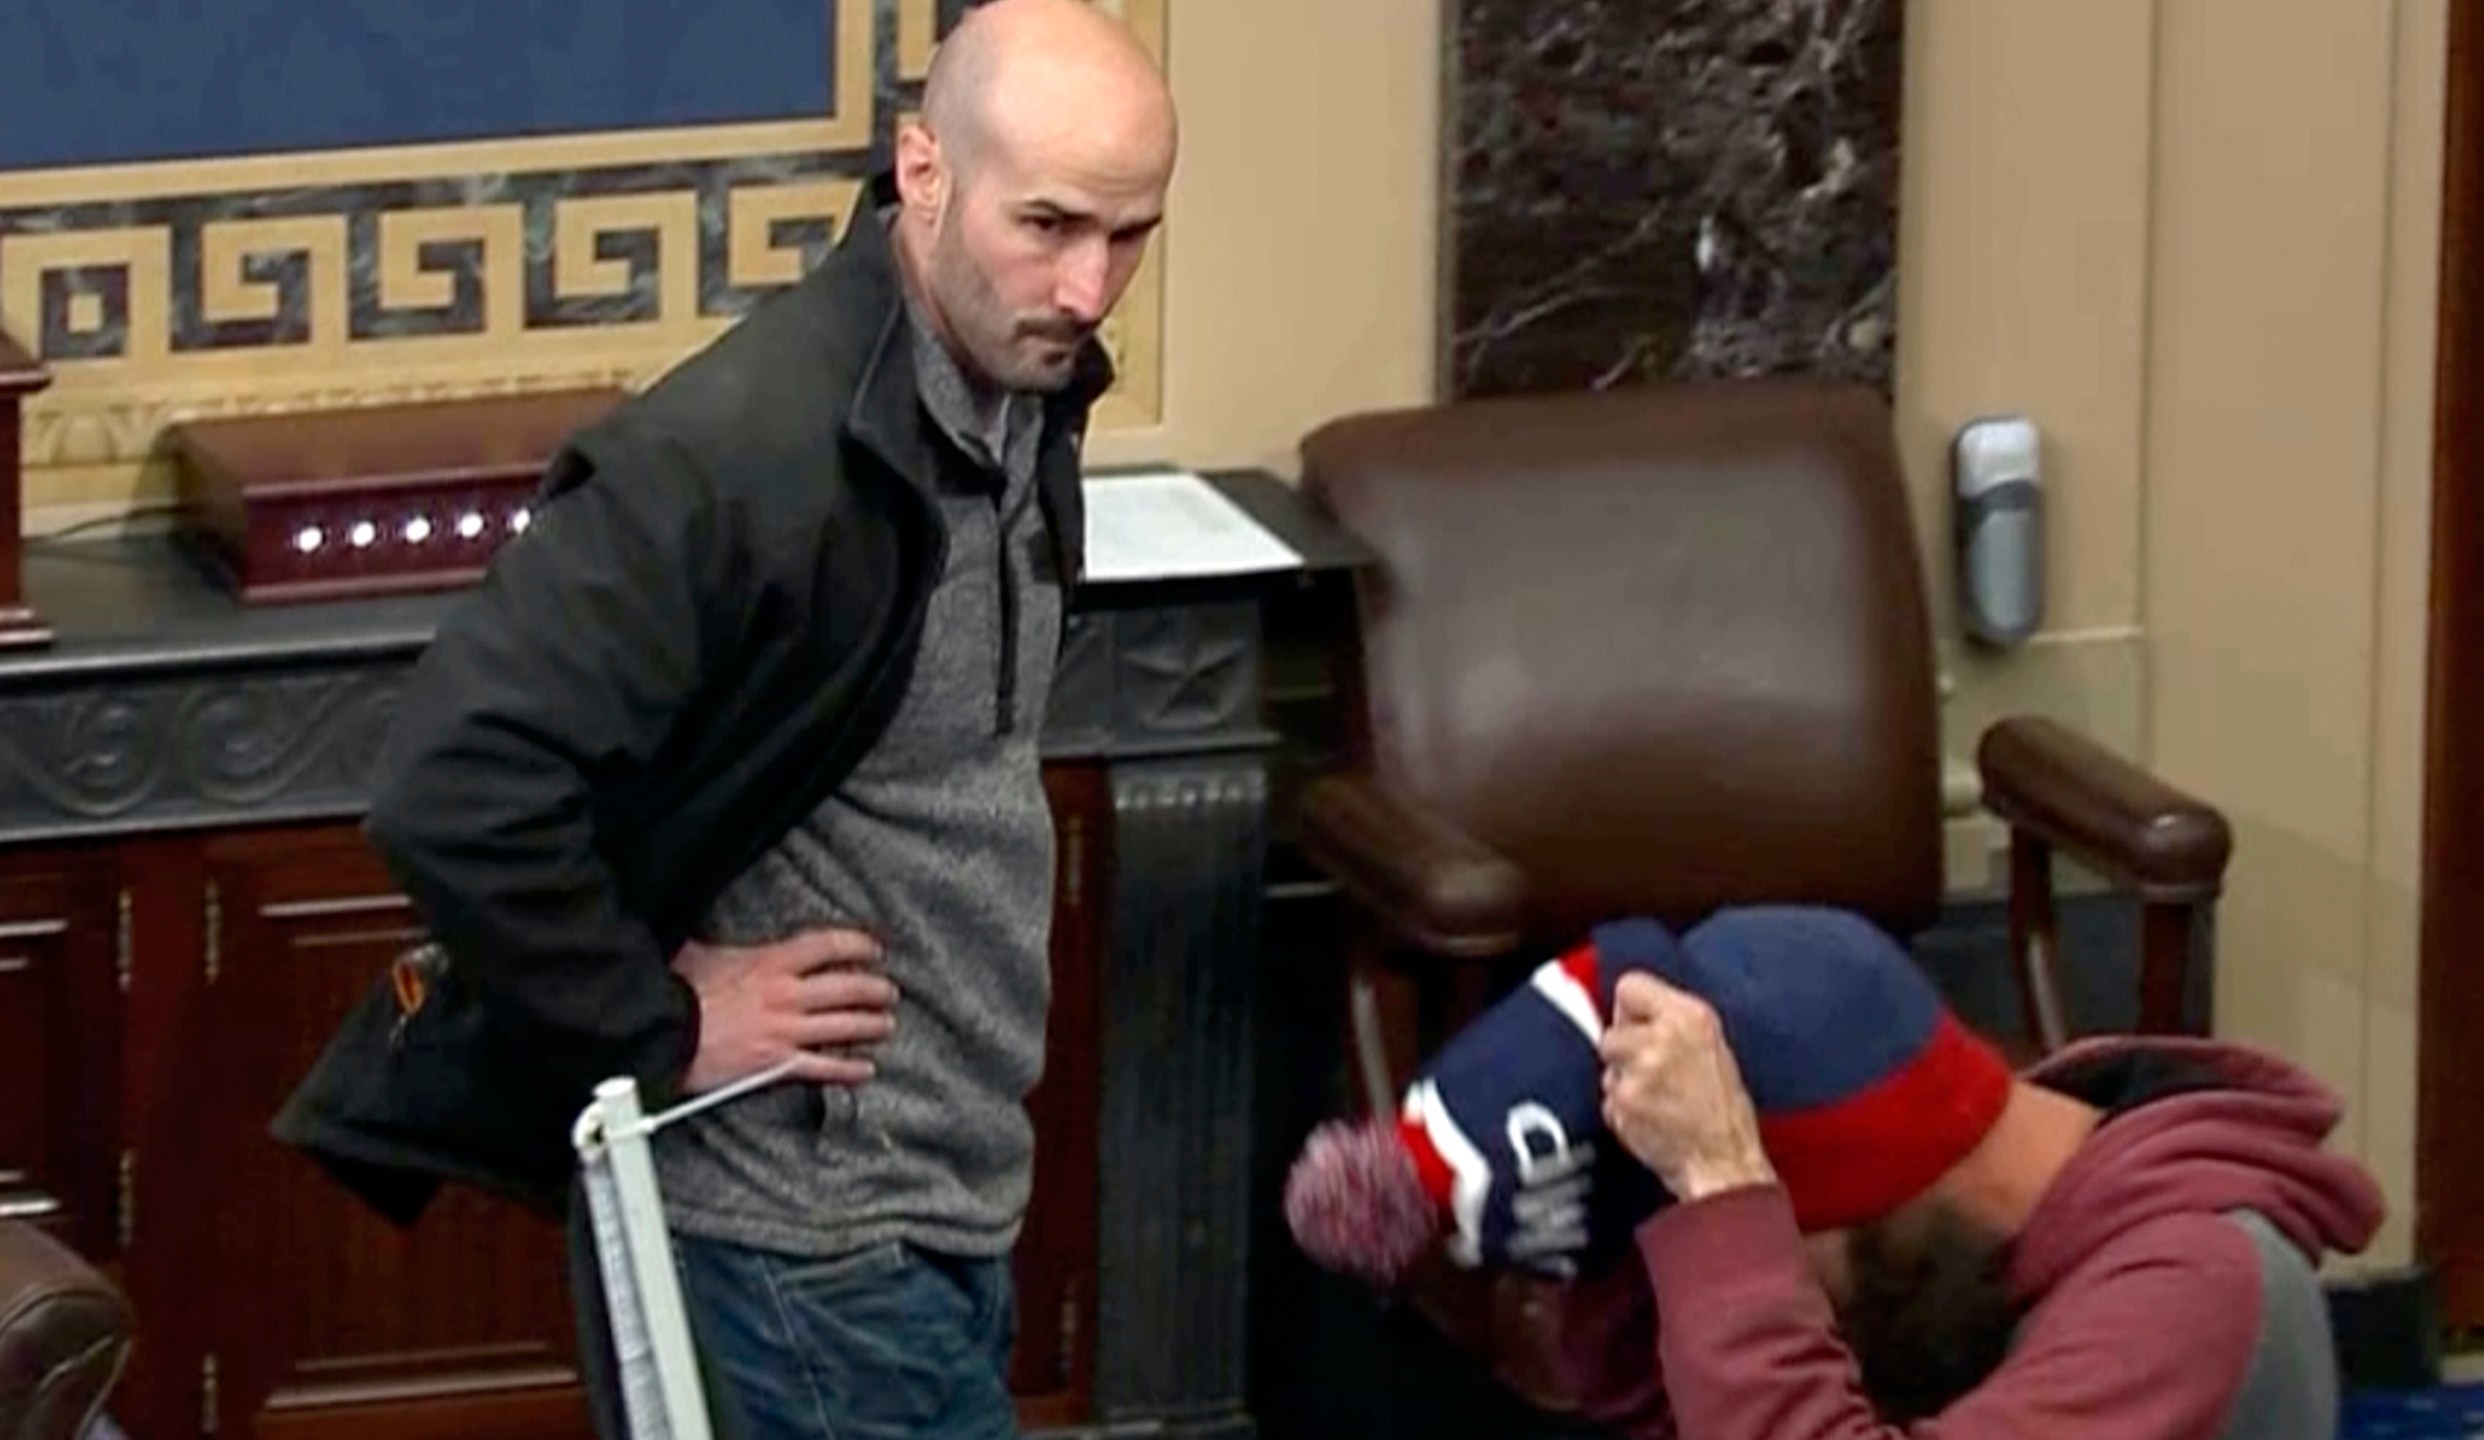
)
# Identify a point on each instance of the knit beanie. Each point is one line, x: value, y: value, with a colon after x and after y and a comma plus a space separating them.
x: 1506, y: 1127
x: 1867, y: 1090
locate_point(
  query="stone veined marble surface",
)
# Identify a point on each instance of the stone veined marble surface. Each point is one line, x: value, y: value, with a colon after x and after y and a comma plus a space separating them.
x: 1652, y: 189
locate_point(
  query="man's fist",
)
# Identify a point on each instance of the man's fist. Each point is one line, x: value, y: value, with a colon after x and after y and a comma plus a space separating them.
x: 1673, y: 1094
x: 816, y: 999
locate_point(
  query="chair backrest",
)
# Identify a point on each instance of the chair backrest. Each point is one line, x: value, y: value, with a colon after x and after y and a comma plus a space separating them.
x: 1664, y: 648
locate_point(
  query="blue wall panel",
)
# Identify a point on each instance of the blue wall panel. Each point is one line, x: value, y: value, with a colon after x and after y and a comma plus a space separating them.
x: 89, y: 82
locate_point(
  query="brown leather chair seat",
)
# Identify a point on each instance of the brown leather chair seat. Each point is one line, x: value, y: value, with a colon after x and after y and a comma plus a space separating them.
x: 65, y: 1333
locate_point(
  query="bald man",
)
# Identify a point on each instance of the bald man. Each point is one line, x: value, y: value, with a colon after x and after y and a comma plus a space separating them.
x: 730, y: 766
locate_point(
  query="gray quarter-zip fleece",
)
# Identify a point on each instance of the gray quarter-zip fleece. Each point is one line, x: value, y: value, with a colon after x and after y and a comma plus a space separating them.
x: 940, y: 843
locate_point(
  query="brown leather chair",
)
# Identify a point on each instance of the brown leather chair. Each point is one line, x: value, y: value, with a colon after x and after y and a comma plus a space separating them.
x: 1651, y: 652
x: 64, y: 1336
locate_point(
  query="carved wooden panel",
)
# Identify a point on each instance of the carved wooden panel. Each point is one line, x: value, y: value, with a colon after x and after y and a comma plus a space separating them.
x: 59, y: 1039
x: 329, y: 1322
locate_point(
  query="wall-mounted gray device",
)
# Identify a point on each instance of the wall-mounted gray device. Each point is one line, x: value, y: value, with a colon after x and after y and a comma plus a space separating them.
x: 1997, y: 495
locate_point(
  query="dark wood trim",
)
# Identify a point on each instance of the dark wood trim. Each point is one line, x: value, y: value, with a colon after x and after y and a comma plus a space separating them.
x: 1052, y: 1365
x: 2449, y: 1222
x: 21, y: 375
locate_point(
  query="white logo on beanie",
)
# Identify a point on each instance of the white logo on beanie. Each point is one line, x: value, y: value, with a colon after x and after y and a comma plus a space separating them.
x: 1548, y: 1214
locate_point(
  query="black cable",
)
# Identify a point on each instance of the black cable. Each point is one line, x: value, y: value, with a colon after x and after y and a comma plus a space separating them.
x: 67, y: 532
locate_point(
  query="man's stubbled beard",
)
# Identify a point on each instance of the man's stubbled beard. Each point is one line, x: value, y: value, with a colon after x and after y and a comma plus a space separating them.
x: 1928, y: 1315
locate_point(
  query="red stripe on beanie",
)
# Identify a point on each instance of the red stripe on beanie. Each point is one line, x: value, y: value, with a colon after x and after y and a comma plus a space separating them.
x: 1860, y: 1158
x: 1582, y: 966
x: 1439, y: 1181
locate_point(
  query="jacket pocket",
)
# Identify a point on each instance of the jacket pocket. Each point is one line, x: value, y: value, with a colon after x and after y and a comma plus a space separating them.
x: 404, y: 1097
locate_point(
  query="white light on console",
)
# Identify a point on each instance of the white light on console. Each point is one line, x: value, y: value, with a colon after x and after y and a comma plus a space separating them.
x: 308, y: 539
x: 364, y: 535
x: 469, y: 525
x: 417, y: 530
x: 519, y: 519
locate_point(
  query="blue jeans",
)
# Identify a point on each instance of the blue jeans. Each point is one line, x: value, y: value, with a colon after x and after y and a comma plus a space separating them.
x: 889, y: 1343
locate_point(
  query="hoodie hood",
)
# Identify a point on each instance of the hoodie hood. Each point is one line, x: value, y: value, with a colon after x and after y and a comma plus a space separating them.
x: 2243, y: 1130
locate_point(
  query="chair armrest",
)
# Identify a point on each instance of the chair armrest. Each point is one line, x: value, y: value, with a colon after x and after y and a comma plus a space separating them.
x: 1420, y: 875
x: 2076, y: 796
x: 64, y: 1335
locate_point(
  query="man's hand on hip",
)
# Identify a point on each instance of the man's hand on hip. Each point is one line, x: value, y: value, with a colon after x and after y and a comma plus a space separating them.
x: 817, y: 999
x: 1674, y: 1095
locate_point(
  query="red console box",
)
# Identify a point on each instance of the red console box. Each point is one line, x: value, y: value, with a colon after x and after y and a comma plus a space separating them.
x: 326, y: 504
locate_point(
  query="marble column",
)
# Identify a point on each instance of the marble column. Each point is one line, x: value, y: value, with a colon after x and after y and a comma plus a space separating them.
x: 1652, y: 189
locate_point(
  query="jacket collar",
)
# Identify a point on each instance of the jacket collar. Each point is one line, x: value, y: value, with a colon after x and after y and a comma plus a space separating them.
x: 887, y: 415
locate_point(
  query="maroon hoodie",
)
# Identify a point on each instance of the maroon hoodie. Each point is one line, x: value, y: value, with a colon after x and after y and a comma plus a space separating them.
x: 2166, y: 1277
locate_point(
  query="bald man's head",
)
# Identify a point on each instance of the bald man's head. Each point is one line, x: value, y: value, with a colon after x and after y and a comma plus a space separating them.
x: 1010, y: 60
x: 1032, y: 182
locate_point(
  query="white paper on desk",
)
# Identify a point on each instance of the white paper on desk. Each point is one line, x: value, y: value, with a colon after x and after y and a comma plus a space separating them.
x: 1170, y: 524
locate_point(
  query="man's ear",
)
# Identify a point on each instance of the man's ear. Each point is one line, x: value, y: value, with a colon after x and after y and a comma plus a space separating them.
x: 922, y: 172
